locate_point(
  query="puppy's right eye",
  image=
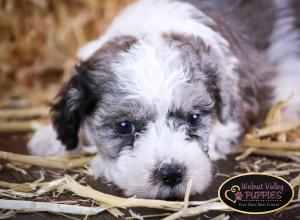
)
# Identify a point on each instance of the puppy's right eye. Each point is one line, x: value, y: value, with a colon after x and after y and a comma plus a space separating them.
x: 193, y: 119
x: 125, y: 127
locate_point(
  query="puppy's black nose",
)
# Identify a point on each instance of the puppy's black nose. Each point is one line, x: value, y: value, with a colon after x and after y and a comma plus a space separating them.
x: 171, y: 174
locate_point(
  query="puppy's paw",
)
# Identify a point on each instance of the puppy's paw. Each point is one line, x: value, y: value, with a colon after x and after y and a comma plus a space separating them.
x: 223, y: 140
x: 45, y: 143
x: 96, y: 169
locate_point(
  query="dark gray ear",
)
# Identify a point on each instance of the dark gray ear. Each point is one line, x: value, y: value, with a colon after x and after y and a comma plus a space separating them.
x: 200, y: 56
x: 75, y: 101
x: 220, y: 87
x: 81, y: 94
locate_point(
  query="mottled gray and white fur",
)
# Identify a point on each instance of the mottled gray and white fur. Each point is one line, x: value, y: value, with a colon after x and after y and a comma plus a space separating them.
x: 171, y: 86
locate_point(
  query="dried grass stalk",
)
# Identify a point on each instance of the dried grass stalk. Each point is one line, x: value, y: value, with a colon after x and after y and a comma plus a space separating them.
x: 256, y: 143
x: 296, y: 181
x: 22, y: 205
x: 18, y: 169
x: 16, y: 194
x: 53, y: 185
x: 6, y: 114
x: 58, y: 163
x: 245, y: 154
x: 271, y: 153
x: 22, y: 187
x: 149, y: 216
x: 115, y: 212
x: 193, y: 211
x: 274, y: 114
x: 187, y: 193
x: 197, y: 203
x: 7, y: 214
x: 275, y: 129
x: 113, y: 201
x: 20, y: 126
x: 282, y: 172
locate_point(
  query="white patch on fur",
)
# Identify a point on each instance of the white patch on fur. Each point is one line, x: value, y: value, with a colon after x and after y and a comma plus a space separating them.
x: 288, y: 83
x: 133, y: 170
x: 223, y: 139
x: 285, y: 38
x: 284, y: 54
x: 153, y: 72
x: 154, y: 17
x: 44, y: 143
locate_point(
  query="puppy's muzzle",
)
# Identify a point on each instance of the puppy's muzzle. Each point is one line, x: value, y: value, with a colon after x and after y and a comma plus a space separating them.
x: 171, y: 174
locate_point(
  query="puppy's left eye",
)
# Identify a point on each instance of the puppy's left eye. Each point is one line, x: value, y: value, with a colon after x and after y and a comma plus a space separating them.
x: 193, y: 119
x: 125, y: 127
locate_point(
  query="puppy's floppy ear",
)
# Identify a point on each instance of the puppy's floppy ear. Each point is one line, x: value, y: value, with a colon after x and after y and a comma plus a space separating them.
x: 218, y: 82
x: 81, y: 94
x: 220, y: 89
x: 76, y: 100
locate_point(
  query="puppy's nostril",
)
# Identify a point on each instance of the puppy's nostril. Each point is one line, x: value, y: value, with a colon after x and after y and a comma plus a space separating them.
x: 171, y: 174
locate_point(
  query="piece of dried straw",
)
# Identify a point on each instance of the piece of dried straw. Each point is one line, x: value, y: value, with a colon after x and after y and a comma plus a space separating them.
x: 51, y: 162
x: 271, y: 153
x: 113, y: 201
x: 187, y: 193
x: 296, y: 181
x: 23, y: 113
x: 257, y: 143
x: 19, y: 126
x: 275, y: 129
x: 193, y: 211
x: 274, y: 115
x: 22, y: 205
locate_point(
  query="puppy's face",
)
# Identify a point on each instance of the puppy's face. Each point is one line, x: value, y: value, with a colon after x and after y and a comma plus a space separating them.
x: 148, y: 106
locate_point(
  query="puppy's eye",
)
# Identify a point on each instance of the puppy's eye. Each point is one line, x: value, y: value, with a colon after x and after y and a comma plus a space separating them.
x: 193, y: 119
x: 125, y: 127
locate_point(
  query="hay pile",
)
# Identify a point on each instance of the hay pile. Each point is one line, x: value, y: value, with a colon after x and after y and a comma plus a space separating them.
x: 41, y: 195
x: 276, y: 138
x: 38, y: 42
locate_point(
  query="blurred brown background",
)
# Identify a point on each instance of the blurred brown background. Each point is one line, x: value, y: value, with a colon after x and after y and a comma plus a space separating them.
x: 38, y: 42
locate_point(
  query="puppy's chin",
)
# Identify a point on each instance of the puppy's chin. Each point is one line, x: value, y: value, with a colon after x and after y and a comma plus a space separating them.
x: 133, y: 173
x: 166, y: 193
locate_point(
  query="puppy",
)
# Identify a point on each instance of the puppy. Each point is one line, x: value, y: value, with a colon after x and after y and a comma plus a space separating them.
x: 173, y: 85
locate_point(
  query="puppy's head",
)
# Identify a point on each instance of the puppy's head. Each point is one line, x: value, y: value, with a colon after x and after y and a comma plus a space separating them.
x: 148, y: 106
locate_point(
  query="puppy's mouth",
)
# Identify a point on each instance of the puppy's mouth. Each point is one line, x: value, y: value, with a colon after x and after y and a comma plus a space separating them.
x: 170, y: 180
x: 170, y: 193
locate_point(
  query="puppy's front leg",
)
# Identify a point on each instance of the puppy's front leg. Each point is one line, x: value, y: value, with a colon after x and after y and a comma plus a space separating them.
x: 44, y: 142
